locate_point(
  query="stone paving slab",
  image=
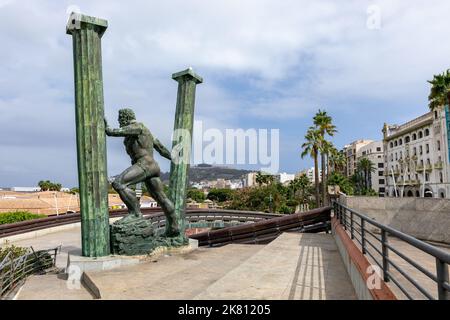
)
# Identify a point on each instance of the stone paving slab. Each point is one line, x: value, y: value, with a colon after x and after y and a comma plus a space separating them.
x: 172, y: 277
x: 52, y: 287
x: 294, y: 266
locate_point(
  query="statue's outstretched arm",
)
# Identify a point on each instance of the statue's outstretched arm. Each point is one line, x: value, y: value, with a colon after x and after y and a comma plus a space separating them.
x: 161, y: 149
x: 123, y: 132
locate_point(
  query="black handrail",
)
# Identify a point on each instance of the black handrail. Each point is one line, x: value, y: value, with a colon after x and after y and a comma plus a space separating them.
x: 442, y: 258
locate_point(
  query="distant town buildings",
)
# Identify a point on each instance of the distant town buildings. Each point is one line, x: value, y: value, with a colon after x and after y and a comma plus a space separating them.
x: 416, y: 156
x: 310, y: 174
x: 284, y: 178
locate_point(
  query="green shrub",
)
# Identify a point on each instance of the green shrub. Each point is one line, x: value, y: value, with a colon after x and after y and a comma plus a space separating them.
x: 15, y: 251
x: 17, y: 216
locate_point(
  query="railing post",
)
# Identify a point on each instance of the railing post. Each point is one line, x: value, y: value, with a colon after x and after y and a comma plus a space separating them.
x: 351, y: 225
x: 385, y: 253
x: 363, y: 238
x: 341, y: 219
x: 345, y: 219
x: 442, y: 276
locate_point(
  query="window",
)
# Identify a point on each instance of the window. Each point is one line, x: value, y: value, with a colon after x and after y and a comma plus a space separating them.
x: 441, y: 178
x: 407, y: 139
x: 414, y: 136
x: 380, y: 173
x: 420, y: 150
x: 420, y: 135
x: 395, y: 143
x: 381, y: 181
x: 428, y: 161
x: 427, y: 132
x: 396, y: 158
x: 400, y: 142
x: 380, y: 165
x: 427, y: 177
x: 415, y: 151
x: 427, y: 148
x: 391, y: 145
x: 439, y: 145
x: 401, y: 155
x: 378, y: 149
x: 392, y: 157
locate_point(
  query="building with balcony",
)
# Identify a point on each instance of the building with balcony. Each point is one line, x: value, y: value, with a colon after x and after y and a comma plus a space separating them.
x: 351, y: 151
x: 374, y: 152
x: 416, y: 157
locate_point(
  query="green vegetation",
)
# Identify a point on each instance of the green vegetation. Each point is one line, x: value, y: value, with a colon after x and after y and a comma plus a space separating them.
x: 47, y: 185
x: 316, y: 144
x: 221, y: 195
x: 15, y: 251
x: 196, y: 195
x: 345, y: 185
x: 268, y: 198
x: 17, y: 216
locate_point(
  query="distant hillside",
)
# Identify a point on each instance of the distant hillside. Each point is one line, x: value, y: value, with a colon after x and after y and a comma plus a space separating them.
x: 209, y: 172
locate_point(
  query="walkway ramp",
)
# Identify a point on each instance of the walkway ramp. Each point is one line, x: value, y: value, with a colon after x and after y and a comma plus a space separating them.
x: 294, y: 266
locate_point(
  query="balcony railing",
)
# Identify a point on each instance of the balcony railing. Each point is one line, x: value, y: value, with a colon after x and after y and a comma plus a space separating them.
x: 438, y: 165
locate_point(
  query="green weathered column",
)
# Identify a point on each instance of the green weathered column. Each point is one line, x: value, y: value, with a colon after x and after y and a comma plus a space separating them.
x: 182, y: 140
x: 90, y: 131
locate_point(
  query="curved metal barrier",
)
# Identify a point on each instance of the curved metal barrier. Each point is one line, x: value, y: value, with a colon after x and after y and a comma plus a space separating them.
x: 378, y: 248
x: 15, y: 269
x: 195, y: 218
x: 265, y: 231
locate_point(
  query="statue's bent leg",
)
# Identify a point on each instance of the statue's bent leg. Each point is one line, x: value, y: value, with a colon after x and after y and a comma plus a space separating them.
x: 130, y: 176
x: 155, y: 188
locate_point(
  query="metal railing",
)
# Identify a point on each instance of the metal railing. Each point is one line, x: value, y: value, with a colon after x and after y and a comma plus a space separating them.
x: 357, y: 225
x: 14, y: 270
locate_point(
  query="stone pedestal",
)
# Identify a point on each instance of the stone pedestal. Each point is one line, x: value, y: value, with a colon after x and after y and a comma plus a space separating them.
x: 136, y: 236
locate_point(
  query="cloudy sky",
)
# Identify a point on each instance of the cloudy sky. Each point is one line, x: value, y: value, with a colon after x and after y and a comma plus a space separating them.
x: 266, y: 64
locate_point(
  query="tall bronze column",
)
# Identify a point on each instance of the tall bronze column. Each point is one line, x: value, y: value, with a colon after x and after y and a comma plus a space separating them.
x: 182, y: 141
x: 90, y: 132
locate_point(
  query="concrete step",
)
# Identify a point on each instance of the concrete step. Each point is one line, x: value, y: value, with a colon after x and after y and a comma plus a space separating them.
x: 172, y: 277
x: 52, y: 287
x: 293, y: 266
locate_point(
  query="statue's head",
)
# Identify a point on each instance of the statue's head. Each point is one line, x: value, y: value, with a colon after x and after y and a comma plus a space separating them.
x: 126, y: 116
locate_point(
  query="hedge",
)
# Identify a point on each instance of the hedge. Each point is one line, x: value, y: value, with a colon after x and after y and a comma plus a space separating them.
x: 17, y: 216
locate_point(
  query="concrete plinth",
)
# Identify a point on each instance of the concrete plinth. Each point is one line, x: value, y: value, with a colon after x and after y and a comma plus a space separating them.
x: 78, y: 264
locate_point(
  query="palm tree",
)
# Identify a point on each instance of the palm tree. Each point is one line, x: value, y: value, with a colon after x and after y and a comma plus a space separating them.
x: 324, y: 125
x: 440, y: 93
x: 365, y: 167
x: 440, y: 90
x: 310, y: 147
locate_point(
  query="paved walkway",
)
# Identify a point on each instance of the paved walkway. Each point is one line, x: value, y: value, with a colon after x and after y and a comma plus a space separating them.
x: 294, y: 266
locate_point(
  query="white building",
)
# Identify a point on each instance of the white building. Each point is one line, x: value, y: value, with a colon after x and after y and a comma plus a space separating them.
x: 374, y: 152
x: 25, y: 189
x: 416, y: 156
x: 350, y: 151
x: 250, y: 179
x: 284, y: 177
x: 310, y: 174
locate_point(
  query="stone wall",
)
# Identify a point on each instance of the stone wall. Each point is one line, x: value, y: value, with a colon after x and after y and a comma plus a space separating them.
x: 423, y: 218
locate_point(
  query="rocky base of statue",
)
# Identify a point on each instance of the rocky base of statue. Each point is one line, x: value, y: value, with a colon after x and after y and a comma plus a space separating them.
x: 137, y: 236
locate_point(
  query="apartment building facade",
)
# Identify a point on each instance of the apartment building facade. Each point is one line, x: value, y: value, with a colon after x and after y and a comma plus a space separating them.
x: 373, y: 151
x: 351, y: 151
x: 416, y: 157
